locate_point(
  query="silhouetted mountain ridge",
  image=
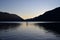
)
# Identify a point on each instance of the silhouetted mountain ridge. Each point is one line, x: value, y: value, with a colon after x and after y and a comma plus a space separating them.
x: 4, y: 16
x: 52, y: 15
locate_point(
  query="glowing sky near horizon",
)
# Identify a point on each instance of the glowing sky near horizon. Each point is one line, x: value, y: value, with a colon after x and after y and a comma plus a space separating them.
x: 28, y: 8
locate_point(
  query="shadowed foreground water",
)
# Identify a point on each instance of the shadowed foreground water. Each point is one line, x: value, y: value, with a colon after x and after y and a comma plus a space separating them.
x: 27, y: 31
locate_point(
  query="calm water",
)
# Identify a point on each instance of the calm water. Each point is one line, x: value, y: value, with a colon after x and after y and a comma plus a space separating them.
x: 26, y: 31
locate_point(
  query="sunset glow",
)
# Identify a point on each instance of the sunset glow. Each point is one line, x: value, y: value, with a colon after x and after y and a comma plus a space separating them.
x: 28, y: 8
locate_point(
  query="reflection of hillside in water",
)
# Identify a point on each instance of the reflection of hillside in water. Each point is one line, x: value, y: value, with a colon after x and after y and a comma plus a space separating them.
x: 5, y: 26
x: 55, y: 27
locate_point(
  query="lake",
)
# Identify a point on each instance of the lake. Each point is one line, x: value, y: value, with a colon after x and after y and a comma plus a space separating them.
x: 29, y: 31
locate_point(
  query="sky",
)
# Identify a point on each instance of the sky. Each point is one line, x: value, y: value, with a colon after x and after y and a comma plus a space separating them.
x: 28, y: 8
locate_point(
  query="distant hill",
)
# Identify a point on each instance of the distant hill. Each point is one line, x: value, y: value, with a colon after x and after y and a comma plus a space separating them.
x: 52, y: 15
x: 4, y: 16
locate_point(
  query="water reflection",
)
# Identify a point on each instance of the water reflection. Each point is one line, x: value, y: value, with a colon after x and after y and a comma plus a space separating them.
x: 6, y: 26
x: 55, y: 27
x: 26, y: 31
